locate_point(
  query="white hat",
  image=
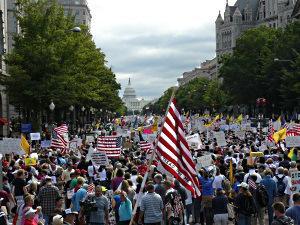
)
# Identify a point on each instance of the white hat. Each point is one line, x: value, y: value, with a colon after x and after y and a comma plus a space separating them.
x: 30, y: 211
x: 57, y: 220
x: 243, y: 185
x: 69, y: 211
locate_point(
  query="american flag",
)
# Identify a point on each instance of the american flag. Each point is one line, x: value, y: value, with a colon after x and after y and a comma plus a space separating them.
x: 91, y: 188
x: 111, y: 145
x: 251, y: 183
x: 294, y: 130
x: 60, y: 137
x: 174, y: 154
x: 145, y: 146
x: 270, y: 131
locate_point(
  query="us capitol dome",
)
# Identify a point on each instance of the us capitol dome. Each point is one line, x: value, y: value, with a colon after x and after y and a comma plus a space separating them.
x: 131, y: 101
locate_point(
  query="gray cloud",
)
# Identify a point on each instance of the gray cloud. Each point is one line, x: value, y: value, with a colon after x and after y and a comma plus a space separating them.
x: 155, y: 60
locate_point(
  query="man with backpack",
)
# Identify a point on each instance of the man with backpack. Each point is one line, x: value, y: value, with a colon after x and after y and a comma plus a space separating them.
x: 261, y: 199
x: 281, y: 184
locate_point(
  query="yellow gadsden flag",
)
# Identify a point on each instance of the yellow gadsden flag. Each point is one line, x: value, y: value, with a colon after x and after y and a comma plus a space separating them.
x: 25, y: 145
x: 239, y: 119
x: 279, y: 135
x: 231, y: 177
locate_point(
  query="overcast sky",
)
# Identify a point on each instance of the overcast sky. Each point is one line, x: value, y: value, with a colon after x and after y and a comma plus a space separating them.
x: 154, y: 41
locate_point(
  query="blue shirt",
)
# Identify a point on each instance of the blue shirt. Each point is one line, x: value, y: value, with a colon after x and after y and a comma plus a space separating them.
x: 77, y: 198
x: 294, y: 213
x: 235, y: 186
x: 271, y: 188
x: 207, y: 189
x: 125, y: 210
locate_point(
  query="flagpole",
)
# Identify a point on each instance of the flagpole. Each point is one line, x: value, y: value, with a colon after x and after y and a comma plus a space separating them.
x: 152, y: 156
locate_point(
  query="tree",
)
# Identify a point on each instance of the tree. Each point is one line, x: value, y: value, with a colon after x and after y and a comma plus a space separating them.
x: 49, y: 62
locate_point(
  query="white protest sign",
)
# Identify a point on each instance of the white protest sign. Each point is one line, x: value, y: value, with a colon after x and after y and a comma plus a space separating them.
x: 46, y: 144
x: 295, y: 178
x: 99, y: 158
x: 204, y: 161
x: 277, y: 125
x: 73, y: 144
x: 9, y: 145
x: 35, y: 136
x: 292, y: 141
x: 240, y: 134
x: 90, y: 138
x: 194, y: 141
x: 220, y: 137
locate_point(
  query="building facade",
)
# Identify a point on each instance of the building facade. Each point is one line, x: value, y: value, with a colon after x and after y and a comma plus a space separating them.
x: 208, y: 70
x: 79, y: 9
x: 131, y: 101
x: 246, y: 14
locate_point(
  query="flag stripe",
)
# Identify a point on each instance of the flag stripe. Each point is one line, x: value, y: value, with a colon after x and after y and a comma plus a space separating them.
x: 173, y: 152
x: 110, y: 144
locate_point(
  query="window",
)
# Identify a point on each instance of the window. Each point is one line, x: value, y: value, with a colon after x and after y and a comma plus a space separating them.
x: 84, y: 22
x: 77, y: 12
x: 83, y: 12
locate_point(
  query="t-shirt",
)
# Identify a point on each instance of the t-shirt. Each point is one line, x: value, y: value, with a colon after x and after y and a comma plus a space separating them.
x: 217, y: 183
x: 99, y: 215
x: 19, y: 185
x: 207, y: 189
x: 294, y: 213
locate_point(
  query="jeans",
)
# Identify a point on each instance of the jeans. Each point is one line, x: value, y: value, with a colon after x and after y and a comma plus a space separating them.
x: 244, y: 219
x: 260, y: 216
x: 221, y: 219
x: 188, y: 212
x: 208, y: 216
x: 47, y: 219
x: 270, y: 214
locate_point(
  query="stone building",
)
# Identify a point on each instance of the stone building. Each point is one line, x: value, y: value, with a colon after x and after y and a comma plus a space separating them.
x: 246, y: 14
x: 131, y: 101
x: 79, y: 9
x: 208, y: 70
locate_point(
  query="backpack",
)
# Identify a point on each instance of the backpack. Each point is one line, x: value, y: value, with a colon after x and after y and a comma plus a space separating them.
x: 262, y: 195
x: 249, y: 206
x: 280, y: 186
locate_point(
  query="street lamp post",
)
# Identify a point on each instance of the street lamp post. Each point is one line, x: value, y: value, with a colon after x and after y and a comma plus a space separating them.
x: 71, y: 108
x: 82, y: 110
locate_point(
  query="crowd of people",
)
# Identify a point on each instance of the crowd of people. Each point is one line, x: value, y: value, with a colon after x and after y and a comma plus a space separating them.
x: 67, y: 188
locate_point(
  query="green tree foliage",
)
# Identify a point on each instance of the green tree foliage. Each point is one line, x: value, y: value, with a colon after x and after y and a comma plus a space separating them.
x: 251, y: 71
x: 50, y: 62
x: 196, y: 96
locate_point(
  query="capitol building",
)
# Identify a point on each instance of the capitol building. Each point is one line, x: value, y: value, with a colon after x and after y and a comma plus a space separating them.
x: 131, y: 101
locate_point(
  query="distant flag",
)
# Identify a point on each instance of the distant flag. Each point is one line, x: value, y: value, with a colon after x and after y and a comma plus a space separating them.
x: 294, y: 130
x: 279, y: 135
x: 25, y: 145
x: 271, y: 131
x: 111, y: 145
x: 144, y: 145
x: 292, y: 155
x: 239, y: 119
x: 155, y: 124
x: 250, y: 162
x: 60, y: 137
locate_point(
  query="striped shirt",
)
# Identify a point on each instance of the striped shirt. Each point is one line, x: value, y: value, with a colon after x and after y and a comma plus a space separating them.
x: 152, y: 206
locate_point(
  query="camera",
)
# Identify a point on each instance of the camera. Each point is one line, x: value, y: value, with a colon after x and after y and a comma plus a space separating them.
x: 89, y: 205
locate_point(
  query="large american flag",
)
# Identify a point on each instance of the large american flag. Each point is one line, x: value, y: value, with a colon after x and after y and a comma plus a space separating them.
x: 173, y: 151
x: 111, y: 145
x: 294, y: 130
x: 60, y: 137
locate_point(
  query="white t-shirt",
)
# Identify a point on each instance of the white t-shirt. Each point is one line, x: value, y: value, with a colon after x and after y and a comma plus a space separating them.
x: 217, y: 183
x: 91, y: 171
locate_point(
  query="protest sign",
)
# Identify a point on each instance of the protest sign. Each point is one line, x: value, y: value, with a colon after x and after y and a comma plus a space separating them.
x: 46, y: 144
x: 99, y: 158
x: 35, y: 136
x: 194, y: 141
x: 73, y: 144
x: 295, y: 180
x: 26, y: 127
x: 292, y: 141
x: 277, y: 125
x: 220, y: 137
x: 204, y: 161
x: 240, y: 134
x: 89, y: 138
x: 9, y: 145
x: 30, y: 162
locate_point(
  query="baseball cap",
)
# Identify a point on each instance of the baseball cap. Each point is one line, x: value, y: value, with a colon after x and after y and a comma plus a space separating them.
x: 68, y: 212
x: 57, y: 220
x: 243, y: 185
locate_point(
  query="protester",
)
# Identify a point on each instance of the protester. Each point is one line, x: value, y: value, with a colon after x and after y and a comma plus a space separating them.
x: 219, y: 206
x: 294, y: 211
x: 280, y: 217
